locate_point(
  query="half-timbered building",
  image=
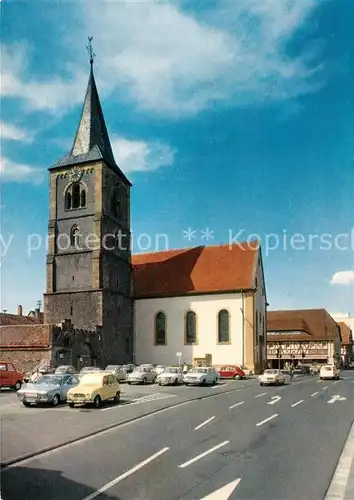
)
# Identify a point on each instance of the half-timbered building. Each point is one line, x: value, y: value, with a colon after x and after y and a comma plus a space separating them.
x: 347, y: 344
x: 302, y: 336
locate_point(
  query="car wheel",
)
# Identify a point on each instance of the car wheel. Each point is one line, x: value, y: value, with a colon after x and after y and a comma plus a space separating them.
x: 204, y: 382
x: 55, y: 400
x: 237, y: 377
x: 129, y: 383
x: 117, y: 398
x: 26, y: 403
x: 261, y: 384
x: 71, y: 405
x: 97, y: 401
x: 145, y: 381
x: 18, y: 386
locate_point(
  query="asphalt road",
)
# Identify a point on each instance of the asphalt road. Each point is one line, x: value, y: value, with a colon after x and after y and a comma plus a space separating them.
x: 254, y: 443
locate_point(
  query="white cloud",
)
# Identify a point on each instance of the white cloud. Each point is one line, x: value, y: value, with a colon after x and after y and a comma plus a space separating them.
x: 343, y: 278
x: 54, y: 95
x: 12, y: 132
x: 11, y: 171
x: 140, y: 156
x: 175, y: 62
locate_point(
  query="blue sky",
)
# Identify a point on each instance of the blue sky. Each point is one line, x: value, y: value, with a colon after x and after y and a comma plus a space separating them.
x: 237, y: 116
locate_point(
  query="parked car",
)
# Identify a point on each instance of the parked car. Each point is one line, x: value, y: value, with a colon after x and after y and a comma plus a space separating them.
x: 272, y: 376
x: 201, y: 376
x: 287, y: 376
x: 142, y: 375
x: 89, y: 369
x: 128, y: 368
x: 232, y: 371
x: 9, y: 376
x: 159, y: 369
x: 50, y: 389
x: 65, y: 369
x: 94, y: 387
x: 118, y: 371
x: 329, y: 371
x: 171, y: 375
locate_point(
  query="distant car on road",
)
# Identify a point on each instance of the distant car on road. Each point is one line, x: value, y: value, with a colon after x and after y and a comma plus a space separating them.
x: 329, y: 371
x: 272, y: 376
x: 50, y: 389
x: 170, y: 376
x: 118, y: 371
x: 128, y: 368
x: 232, y: 371
x: 9, y: 376
x: 142, y: 375
x: 201, y: 376
x: 65, y: 369
x: 287, y: 376
x: 95, y: 387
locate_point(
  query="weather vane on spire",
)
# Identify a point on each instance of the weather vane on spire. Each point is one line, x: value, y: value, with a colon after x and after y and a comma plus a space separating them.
x: 90, y: 50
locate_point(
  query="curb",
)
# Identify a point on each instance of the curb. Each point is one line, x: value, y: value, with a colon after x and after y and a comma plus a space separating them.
x: 13, y: 461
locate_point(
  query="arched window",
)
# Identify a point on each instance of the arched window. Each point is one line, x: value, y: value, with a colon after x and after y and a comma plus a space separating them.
x: 223, y: 326
x: 83, y: 198
x: 191, y: 328
x: 74, y: 236
x: 68, y: 200
x: 160, y: 329
x: 76, y: 195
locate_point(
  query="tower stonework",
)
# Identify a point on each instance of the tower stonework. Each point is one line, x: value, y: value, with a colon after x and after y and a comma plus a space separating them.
x: 89, y: 256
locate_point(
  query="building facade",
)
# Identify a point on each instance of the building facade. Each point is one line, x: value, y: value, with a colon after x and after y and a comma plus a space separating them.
x: 347, y: 353
x: 201, y: 306
x: 302, y: 336
x: 89, y: 258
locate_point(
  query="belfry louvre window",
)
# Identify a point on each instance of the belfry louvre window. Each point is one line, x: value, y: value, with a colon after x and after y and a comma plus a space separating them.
x: 191, y: 328
x: 75, y: 197
x: 160, y: 328
x: 223, y: 326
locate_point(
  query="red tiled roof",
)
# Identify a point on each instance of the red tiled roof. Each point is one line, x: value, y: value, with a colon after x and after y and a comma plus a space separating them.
x: 316, y: 323
x: 347, y: 337
x: 29, y: 336
x: 204, y: 269
x: 15, y: 319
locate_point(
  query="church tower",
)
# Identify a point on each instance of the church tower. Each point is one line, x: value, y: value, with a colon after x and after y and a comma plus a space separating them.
x: 89, y: 255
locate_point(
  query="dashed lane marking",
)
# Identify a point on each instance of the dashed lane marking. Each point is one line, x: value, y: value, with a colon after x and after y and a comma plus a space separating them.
x: 237, y: 404
x: 314, y: 394
x: 204, y: 423
x: 198, y: 457
x: 298, y: 403
x: 267, y: 420
x: 260, y: 395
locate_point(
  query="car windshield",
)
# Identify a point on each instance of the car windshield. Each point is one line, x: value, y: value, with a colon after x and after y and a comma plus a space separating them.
x: 140, y: 369
x: 328, y: 368
x: 91, y: 379
x: 49, y: 380
x: 170, y: 369
x: 61, y: 369
x: 198, y: 370
x: 270, y: 372
x: 89, y: 369
x: 112, y: 367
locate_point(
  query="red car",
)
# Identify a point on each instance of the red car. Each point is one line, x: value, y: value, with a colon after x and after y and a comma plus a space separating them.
x: 9, y: 376
x: 232, y: 371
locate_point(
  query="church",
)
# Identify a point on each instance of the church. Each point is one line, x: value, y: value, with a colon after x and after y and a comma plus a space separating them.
x: 201, y: 305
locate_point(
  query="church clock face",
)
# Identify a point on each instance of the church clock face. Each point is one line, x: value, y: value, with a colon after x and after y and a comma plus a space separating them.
x: 75, y: 174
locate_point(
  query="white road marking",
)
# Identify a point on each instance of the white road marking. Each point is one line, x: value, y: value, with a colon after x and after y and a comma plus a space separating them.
x: 298, y: 403
x: 144, y: 399
x: 223, y: 493
x: 198, y: 457
x: 220, y: 385
x: 335, y: 398
x: 338, y: 486
x: 335, y: 383
x: 267, y: 420
x: 275, y: 399
x: 314, y: 394
x: 259, y: 395
x: 319, y: 382
x: 237, y: 404
x: 126, y: 474
x: 204, y: 423
x: 324, y: 388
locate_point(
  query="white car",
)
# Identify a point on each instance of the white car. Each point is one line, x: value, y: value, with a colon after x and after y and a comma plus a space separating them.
x: 160, y: 369
x: 171, y: 375
x: 142, y: 375
x: 201, y: 376
x: 272, y: 376
x: 287, y: 377
x: 329, y: 371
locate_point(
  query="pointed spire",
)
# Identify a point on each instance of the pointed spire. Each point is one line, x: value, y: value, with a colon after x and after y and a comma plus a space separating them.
x: 91, y: 140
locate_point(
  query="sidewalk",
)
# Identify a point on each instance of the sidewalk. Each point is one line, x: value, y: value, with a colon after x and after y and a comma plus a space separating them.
x: 342, y: 485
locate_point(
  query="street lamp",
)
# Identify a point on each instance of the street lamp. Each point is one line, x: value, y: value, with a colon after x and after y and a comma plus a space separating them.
x: 279, y: 356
